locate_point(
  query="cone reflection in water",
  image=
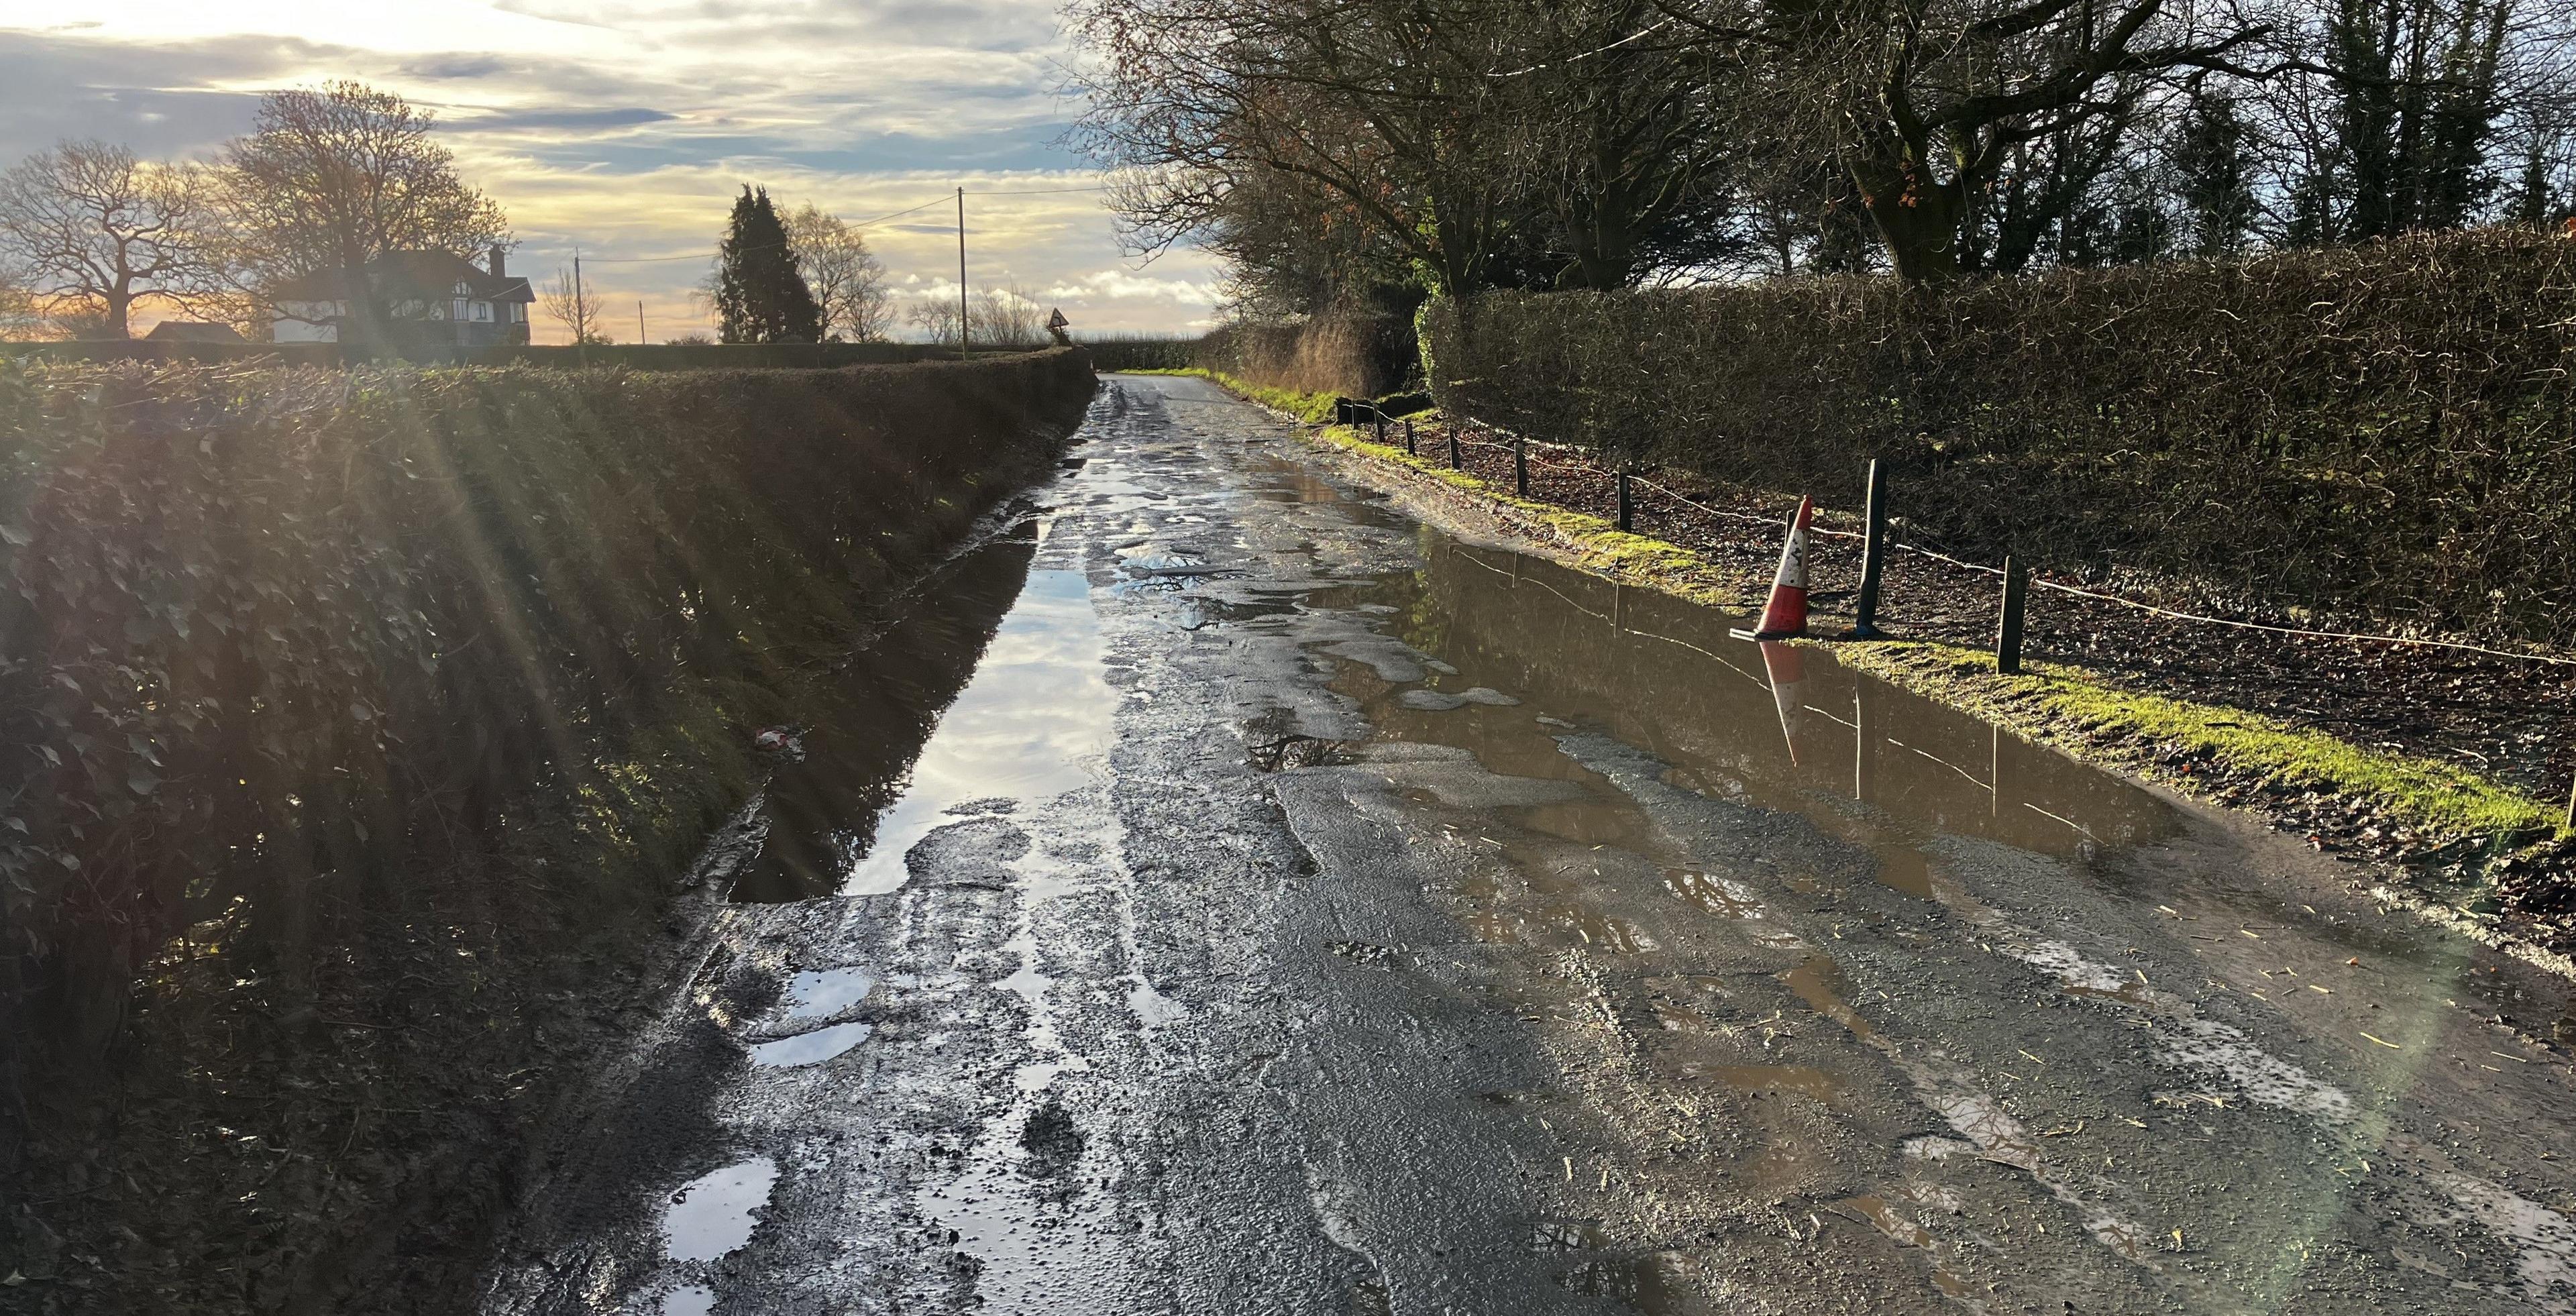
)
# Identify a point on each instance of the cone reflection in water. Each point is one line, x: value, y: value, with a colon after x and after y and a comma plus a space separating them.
x: 1787, y: 665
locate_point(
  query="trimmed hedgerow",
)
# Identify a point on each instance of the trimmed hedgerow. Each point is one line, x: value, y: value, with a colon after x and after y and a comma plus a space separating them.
x: 272, y: 638
x: 2379, y: 431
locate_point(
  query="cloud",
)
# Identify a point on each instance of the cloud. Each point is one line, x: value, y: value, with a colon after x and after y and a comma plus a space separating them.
x: 558, y: 120
x: 444, y: 67
x: 176, y: 100
x: 624, y: 129
x: 1128, y: 285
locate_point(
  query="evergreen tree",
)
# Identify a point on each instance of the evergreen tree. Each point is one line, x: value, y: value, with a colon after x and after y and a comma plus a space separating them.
x: 2418, y: 95
x: 760, y: 296
x: 2214, y: 175
x: 2532, y: 201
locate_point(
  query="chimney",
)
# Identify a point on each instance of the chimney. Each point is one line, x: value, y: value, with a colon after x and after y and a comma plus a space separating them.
x: 499, y: 270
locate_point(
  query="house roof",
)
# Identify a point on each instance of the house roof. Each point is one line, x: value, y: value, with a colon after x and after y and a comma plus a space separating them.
x: 413, y: 276
x: 190, y: 331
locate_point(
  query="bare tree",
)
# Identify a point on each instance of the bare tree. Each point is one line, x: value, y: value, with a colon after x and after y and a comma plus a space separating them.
x: 934, y: 318
x: 847, y: 279
x: 1009, y: 317
x: 1005, y: 317
x: 333, y: 178
x: 98, y: 232
x: 568, y: 304
x: 1391, y: 111
x: 21, y: 317
x: 1923, y: 102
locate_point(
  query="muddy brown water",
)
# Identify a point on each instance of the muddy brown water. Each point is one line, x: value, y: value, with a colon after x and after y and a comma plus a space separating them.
x: 1291, y: 906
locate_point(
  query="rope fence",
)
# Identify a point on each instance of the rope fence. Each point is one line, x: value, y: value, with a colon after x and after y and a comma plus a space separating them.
x: 1529, y: 446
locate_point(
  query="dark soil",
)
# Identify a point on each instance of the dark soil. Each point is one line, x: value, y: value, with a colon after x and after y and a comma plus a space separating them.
x: 2504, y: 718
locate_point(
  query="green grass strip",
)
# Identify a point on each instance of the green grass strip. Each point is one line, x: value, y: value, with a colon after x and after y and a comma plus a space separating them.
x: 2069, y: 707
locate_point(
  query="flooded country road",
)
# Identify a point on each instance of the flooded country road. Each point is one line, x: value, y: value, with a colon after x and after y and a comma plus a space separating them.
x: 1227, y: 894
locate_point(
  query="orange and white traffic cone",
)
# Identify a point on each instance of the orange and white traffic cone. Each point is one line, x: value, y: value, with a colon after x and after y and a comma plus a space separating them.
x: 1785, y: 618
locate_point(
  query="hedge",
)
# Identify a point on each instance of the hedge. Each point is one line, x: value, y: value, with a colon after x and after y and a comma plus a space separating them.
x: 1141, y: 353
x: 2379, y: 432
x: 271, y: 639
x: 632, y: 356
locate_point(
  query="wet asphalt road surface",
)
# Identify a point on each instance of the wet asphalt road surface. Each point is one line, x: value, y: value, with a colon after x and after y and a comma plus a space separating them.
x: 1294, y: 908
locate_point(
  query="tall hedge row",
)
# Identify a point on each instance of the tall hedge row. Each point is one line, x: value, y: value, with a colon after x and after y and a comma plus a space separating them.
x: 1139, y: 353
x: 2381, y: 431
x: 272, y: 638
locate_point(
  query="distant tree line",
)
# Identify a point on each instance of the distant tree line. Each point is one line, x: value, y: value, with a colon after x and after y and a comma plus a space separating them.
x: 329, y: 180
x: 1368, y: 152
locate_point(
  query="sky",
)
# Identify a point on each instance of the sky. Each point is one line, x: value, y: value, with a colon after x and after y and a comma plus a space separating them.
x: 627, y: 129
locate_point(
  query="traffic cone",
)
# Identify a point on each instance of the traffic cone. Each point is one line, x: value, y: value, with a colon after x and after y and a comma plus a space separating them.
x: 1785, y: 618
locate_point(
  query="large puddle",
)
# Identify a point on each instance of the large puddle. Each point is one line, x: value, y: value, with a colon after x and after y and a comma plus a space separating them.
x: 1031, y: 725
x: 987, y: 695
x: 1774, y: 725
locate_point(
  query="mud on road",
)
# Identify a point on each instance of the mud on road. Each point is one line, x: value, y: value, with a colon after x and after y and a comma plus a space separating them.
x: 1302, y: 910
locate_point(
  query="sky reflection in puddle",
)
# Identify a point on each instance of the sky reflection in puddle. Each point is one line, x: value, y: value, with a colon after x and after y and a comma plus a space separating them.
x: 713, y: 1214
x: 1031, y: 724
x: 809, y: 1048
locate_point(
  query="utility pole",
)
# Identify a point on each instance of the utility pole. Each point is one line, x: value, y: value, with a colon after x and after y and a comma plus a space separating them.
x: 580, y: 313
x: 639, y: 322
x: 963, y: 353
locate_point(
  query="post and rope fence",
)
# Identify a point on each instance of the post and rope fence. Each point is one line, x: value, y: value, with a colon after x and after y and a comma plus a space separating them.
x: 1873, y: 558
x: 1877, y: 542
x: 2008, y: 627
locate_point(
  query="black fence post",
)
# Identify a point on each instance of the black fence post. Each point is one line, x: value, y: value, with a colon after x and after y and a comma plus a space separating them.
x: 1520, y: 467
x: 1378, y: 414
x: 1456, y: 463
x: 1408, y: 436
x: 2008, y: 631
x: 1873, y: 556
x: 1627, y: 504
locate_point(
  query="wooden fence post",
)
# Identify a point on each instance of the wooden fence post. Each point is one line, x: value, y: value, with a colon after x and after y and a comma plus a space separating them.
x: 1873, y: 556
x: 2008, y: 630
